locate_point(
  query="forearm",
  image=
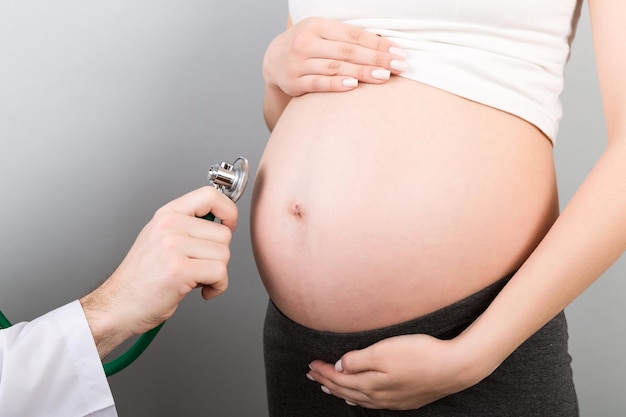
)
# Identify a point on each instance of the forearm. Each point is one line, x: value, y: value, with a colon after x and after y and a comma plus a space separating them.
x: 586, y: 239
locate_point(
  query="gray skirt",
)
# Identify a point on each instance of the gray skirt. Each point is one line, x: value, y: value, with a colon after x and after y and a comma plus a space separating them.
x: 534, y: 381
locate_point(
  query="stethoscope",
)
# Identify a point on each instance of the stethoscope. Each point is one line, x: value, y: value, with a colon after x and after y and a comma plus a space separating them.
x: 229, y: 179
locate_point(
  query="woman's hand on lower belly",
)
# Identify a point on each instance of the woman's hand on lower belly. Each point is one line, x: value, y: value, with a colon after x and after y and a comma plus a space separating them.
x: 399, y: 373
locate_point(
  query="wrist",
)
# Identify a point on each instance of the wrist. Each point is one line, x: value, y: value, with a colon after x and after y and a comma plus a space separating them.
x: 477, y: 357
x: 107, y: 333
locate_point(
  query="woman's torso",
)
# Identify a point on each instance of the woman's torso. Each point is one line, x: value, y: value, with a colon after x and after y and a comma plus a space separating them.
x: 382, y: 204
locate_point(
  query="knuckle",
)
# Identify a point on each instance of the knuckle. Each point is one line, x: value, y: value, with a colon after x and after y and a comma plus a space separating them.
x: 163, y: 211
x: 222, y: 235
x: 300, y: 44
x: 369, y: 388
x: 225, y: 255
x: 380, y: 60
x: 348, y: 52
x: 307, y: 27
x: 174, y: 267
x: 333, y: 68
x: 315, y: 24
x: 228, y: 236
x: 354, y: 34
x: 315, y: 84
x: 347, y: 362
x: 221, y: 285
x: 382, y: 44
x: 310, y: 21
x: 221, y: 271
x: 363, y: 73
x: 164, y: 219
x: 168, y: 244
x: 385, y: 401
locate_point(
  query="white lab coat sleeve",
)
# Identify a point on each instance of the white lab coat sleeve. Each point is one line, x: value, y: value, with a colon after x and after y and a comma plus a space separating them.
x: 50, y: 367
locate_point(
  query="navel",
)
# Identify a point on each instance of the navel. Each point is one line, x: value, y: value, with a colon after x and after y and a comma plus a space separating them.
x: 296, y: 211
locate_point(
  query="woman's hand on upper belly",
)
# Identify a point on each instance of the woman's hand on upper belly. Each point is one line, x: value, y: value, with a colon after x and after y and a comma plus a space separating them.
x: 399, y: 373
x: 318, y: 55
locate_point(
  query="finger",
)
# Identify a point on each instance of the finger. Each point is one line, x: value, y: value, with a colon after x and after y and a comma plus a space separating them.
x: 343, y: 386
x: 168, y: 224
x: 342, y: 32
x: 328, y: 373
x: 351, y: 397
x: 325, y: 374
x: 323, y: 83
x: 358, y: 361
x: 330, y: 67
x: 211, y: 275
x: 218, y: 286
x: 392, y: 59
x: 193, y: 264
x: 206, y: 230
x: 195, y: 248
x: 212, y: 291
x: 206, y: 200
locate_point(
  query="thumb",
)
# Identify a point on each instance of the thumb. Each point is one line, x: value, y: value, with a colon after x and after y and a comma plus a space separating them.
x: 355, y: 361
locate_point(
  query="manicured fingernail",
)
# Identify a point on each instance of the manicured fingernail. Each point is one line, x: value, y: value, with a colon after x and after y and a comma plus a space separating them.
x: 326, y: 390
x: 338, y: 366
x: 397, y: 51
x: 350, y: 82
x: 350, y: 403
x: 310, y: 377
x: 381, y: 74
x: 399, y: 65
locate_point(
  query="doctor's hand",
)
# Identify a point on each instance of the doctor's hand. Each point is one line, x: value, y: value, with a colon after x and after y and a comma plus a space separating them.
x: 175, y: 252
x: 317, y: 55
x: 399, y: 373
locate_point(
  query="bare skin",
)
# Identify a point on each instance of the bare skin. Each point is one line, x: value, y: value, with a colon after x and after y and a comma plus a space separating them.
x: 342, y: 244
x: 175, y: 253
x: 373, y: 217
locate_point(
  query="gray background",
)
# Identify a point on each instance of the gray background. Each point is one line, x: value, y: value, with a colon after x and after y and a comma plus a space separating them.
x: 110, y: 109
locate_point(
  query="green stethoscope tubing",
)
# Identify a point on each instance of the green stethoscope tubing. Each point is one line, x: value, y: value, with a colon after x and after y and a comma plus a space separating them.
x: 128, y: 357
x: 4, y: 322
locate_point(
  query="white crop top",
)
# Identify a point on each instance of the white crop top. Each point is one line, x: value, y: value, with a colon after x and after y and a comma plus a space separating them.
x: 506, y: 54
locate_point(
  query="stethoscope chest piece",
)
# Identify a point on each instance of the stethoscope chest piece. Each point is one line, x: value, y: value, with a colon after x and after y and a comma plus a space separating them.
x: 230, y: 179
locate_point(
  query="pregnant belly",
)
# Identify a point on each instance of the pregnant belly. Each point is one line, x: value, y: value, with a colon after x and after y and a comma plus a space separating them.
x: 386, y: 203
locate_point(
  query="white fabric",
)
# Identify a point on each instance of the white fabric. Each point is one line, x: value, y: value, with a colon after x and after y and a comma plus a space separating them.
x: 506, y: 54
x: 50, y: 367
